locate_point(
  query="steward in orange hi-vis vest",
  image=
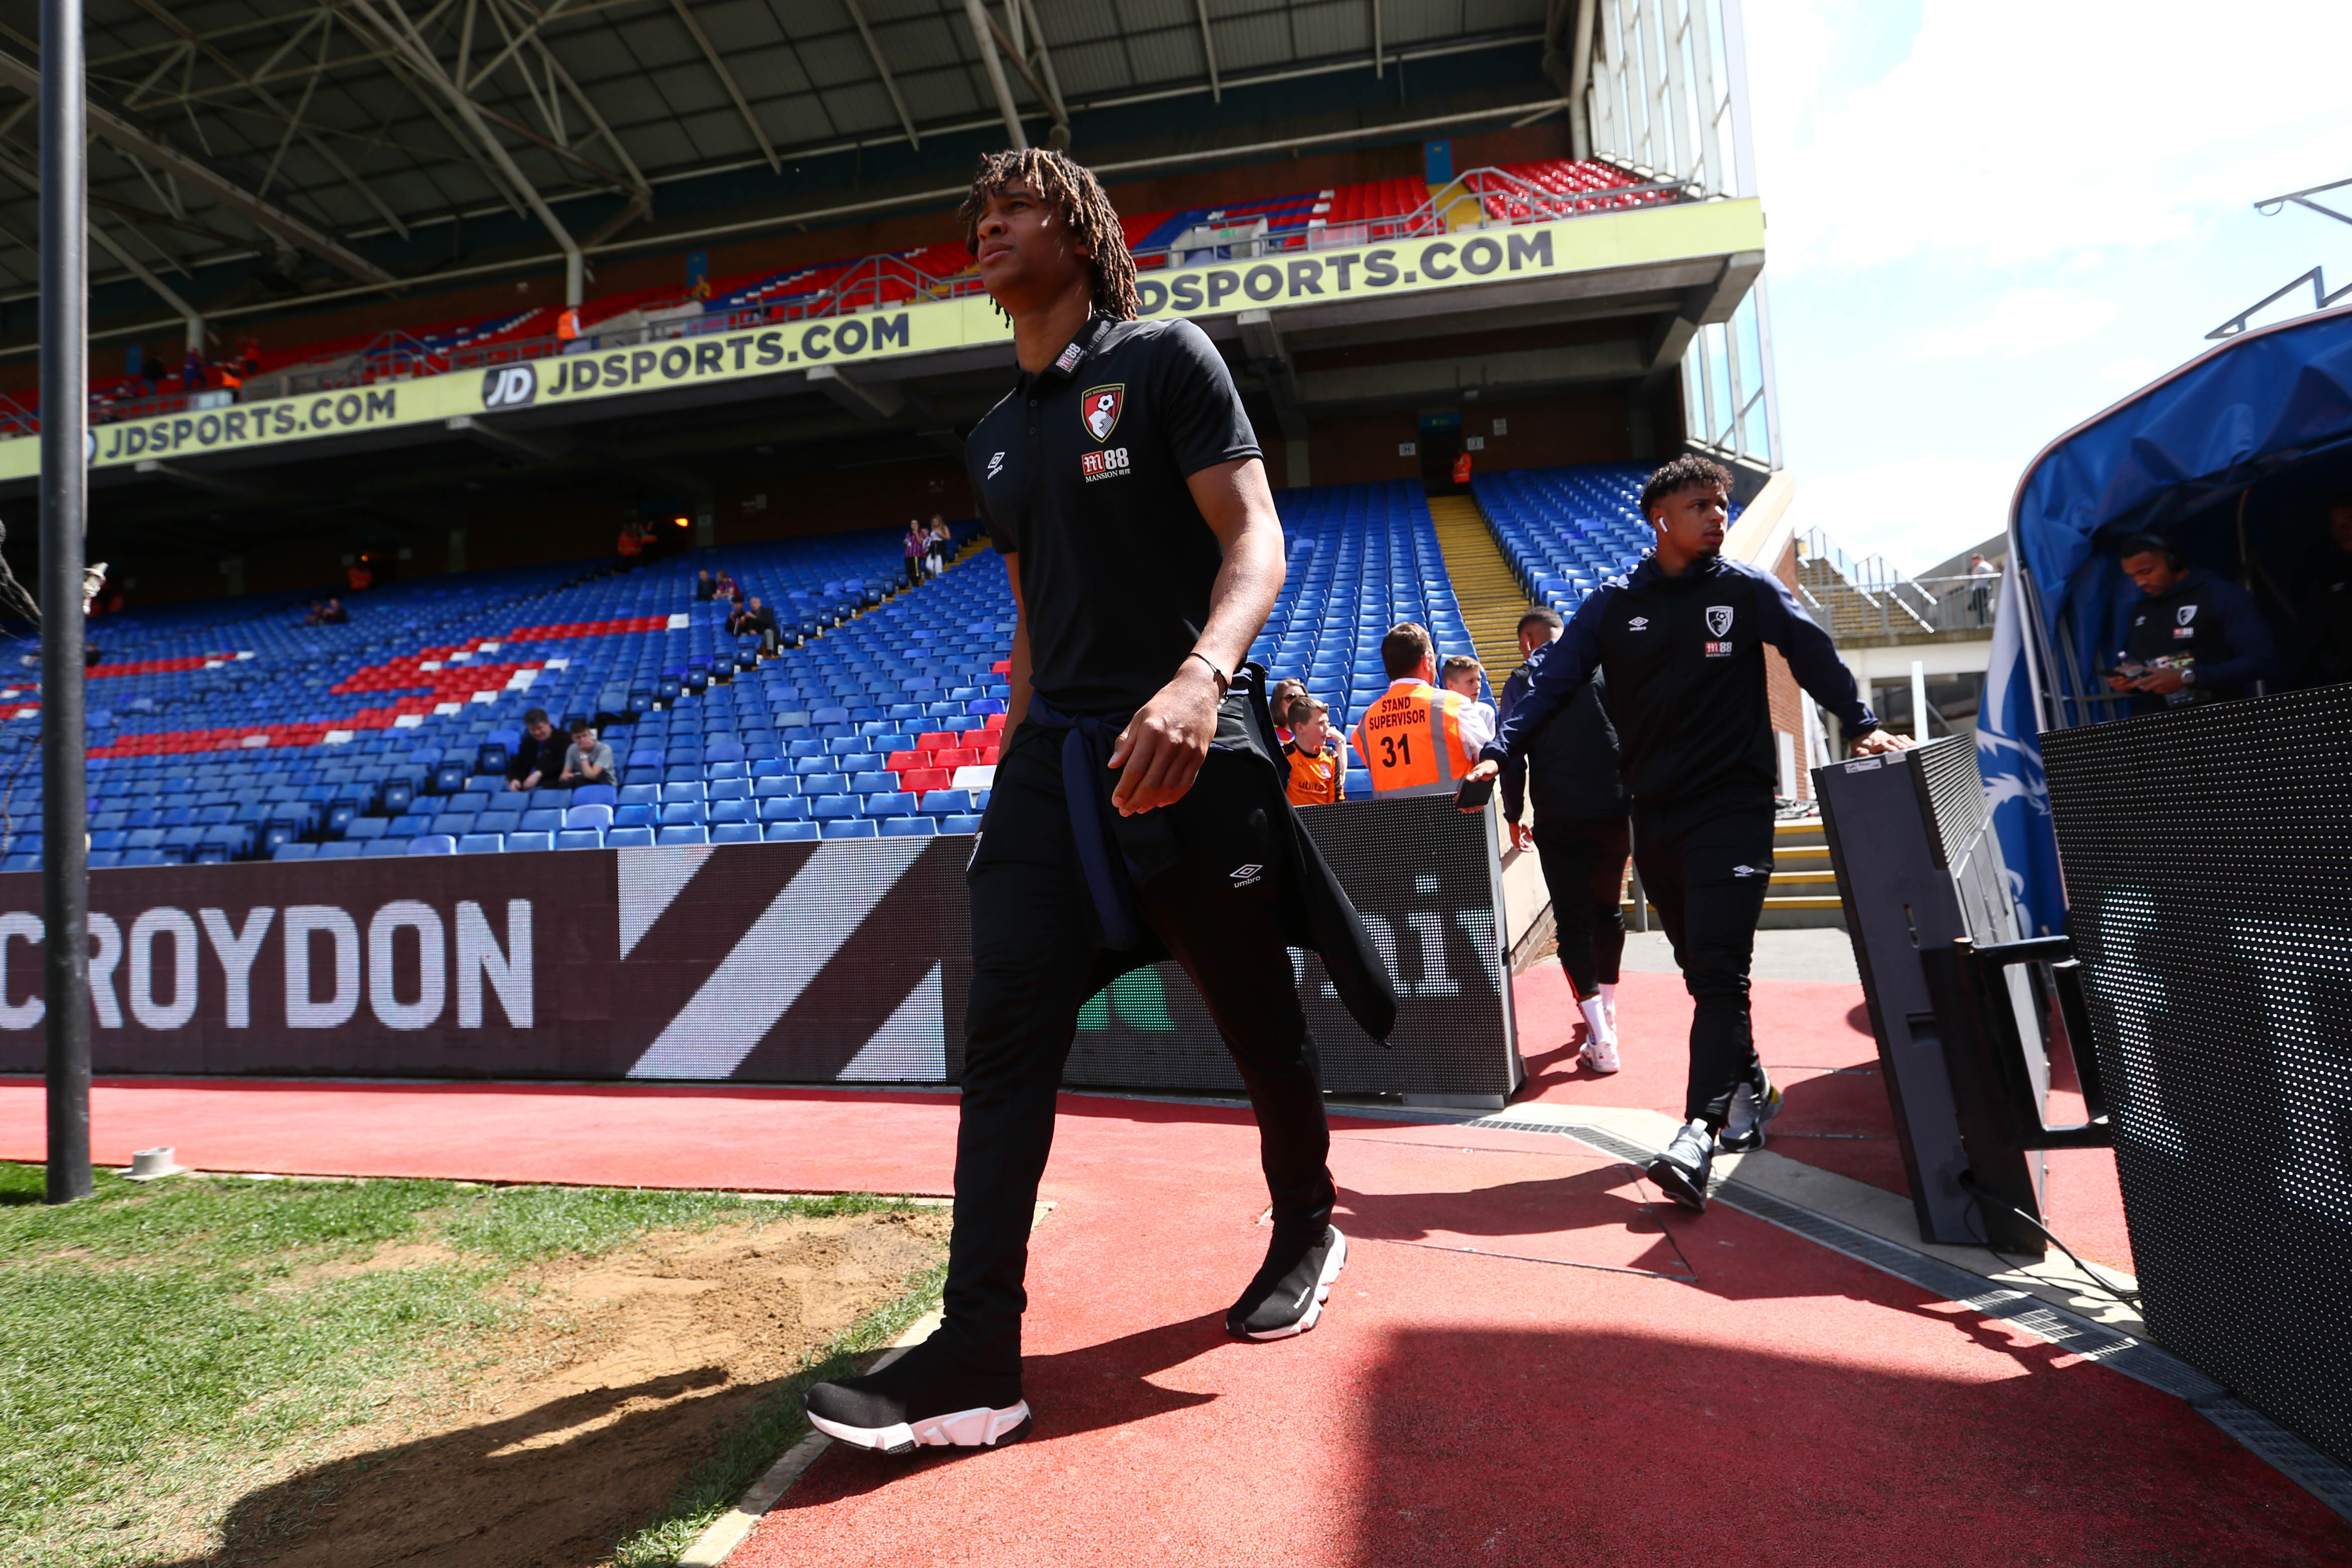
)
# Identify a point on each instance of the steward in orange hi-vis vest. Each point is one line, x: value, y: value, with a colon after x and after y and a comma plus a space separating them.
x: 1411, y: 738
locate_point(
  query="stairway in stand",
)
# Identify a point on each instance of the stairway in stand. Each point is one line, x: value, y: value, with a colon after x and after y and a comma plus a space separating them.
x: 1491, y: 598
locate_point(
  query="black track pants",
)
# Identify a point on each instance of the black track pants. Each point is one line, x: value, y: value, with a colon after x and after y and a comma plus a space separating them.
x: 1034, y: 964
x: 1584, y: 866
x: 1705, y: 864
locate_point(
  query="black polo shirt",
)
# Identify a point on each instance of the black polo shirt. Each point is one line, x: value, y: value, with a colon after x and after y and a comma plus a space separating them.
x: 1080, y: 472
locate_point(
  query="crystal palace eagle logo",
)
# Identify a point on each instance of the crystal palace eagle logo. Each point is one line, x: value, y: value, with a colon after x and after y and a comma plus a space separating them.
x: 1101, y: 409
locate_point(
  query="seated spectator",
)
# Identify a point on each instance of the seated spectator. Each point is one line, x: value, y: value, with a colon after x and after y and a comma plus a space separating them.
x: 1317, y: 776
x: 755, y: 619
x: 705, y: 589
x: 1285, y: 691
x: 728, y: 593
x: 588, y: 761
x: 332, y: 614
x: 317, y: 614
x: 540, y: 751
x: 1462, y: 676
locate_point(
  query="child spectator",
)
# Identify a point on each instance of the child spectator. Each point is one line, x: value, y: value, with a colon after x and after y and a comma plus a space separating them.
x: 1312, y: 753
x: 1285, y: 692
x: 1463, y: 677
x: 588, y: 761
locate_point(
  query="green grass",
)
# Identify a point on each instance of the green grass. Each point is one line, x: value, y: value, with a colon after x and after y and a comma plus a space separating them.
x: 773, y: 1426
x: 163, y: 1344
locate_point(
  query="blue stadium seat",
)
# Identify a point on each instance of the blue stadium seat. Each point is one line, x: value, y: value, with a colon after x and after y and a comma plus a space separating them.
x: 854, y: 827
x: 593, y: 817
x: 946, y: 801
x: 672, y: 794
x: 734, y: 833
x: 729, y: 811
x: 541, y: 822
x: 450, y: 824
x: 594, y: 795
x: 873, y: 781
x: 896, y: 804
x: 960, y: 823
x: 628, y: 838
x: 487, y: 784
x: 678, y: 833
x: 539, y: 839
x: 908, y: 827
x: 339, y: 850
x: 726, y: 789
x: 640, y: 795
x: 681, y: 813
x: 634, y: 816
x: 289, y: 851
x: 783, y: 808
x: 377, y: 849
x: 769, y: 788
x: 475, y: 844
x: 834, y: 807
x: 367, y: 827
x: 579, y: 838
x: 813, y: 784
x: 433, y: 844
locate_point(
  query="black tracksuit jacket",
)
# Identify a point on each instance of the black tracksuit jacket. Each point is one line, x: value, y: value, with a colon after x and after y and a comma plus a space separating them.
x: 1685, y: 657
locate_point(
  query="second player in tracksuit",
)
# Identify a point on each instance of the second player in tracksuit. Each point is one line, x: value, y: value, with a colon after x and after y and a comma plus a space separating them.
x: 1684, y: 659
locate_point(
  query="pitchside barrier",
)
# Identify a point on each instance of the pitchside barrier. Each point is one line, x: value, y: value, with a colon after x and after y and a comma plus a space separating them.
x: 2207, y: 861
x: 832, y: 962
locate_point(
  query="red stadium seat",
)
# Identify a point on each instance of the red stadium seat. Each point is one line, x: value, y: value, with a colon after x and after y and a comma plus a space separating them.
x: 916, y: 779
x: 899, y: 762
x: 937, y: 740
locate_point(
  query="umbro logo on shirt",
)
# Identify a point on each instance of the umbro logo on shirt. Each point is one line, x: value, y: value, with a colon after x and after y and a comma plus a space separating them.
x: 1639, y: 623
x: 1246, y: 875
x: 994, y: 463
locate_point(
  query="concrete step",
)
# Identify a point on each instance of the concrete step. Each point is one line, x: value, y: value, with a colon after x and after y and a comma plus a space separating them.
x: 1490, y: 596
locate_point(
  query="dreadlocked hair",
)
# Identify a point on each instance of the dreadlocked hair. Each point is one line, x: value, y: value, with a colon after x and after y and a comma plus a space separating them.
x: 1077, y: 198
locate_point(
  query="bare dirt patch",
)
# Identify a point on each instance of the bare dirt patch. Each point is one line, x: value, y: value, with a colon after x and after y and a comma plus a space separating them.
x: 579, y: 1426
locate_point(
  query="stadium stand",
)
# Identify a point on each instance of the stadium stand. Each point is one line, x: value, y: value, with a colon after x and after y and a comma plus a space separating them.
x: 1565, y: 530
x: 1345, y: 214
x: 223, y: 732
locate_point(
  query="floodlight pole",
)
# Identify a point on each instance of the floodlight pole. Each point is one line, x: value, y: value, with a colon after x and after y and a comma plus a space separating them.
x: 65, y: 494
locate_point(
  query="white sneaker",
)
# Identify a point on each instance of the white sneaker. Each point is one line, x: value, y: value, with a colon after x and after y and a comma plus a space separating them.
x: 1599, y: 1038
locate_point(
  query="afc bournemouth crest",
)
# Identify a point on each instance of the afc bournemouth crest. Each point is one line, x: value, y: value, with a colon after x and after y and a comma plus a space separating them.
x: 2184, y: 614
x: 1718, y: 618
x: 1101, y: 407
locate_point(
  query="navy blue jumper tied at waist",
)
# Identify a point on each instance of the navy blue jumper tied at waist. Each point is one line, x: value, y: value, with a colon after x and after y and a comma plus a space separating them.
x: 1115, y: 852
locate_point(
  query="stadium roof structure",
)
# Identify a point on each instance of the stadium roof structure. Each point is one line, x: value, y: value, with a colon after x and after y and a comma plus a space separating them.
x: 327, y: 133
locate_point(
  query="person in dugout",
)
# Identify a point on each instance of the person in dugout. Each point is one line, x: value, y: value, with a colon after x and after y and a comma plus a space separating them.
x: 2327, y: 604
x: 1318, y: 774
x: 1416, y: 739
x: 2193, y: 638
x: 1138, y: 812
x: 1681, y: 640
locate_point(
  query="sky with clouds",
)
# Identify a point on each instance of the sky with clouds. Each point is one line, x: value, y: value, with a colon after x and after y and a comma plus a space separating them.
x: 1987, y: 220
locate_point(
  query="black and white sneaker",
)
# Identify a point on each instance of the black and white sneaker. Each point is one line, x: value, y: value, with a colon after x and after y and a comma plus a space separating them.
x: 922, y: 1399
x: 1681, y: 1172
x: 1287, y: 1295
x: 1753, y: 1104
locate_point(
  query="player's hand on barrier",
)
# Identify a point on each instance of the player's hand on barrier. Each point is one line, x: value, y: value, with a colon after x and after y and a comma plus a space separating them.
x: 1881, y: 740
x: 1163, y: 747
x: 1477, y: 785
